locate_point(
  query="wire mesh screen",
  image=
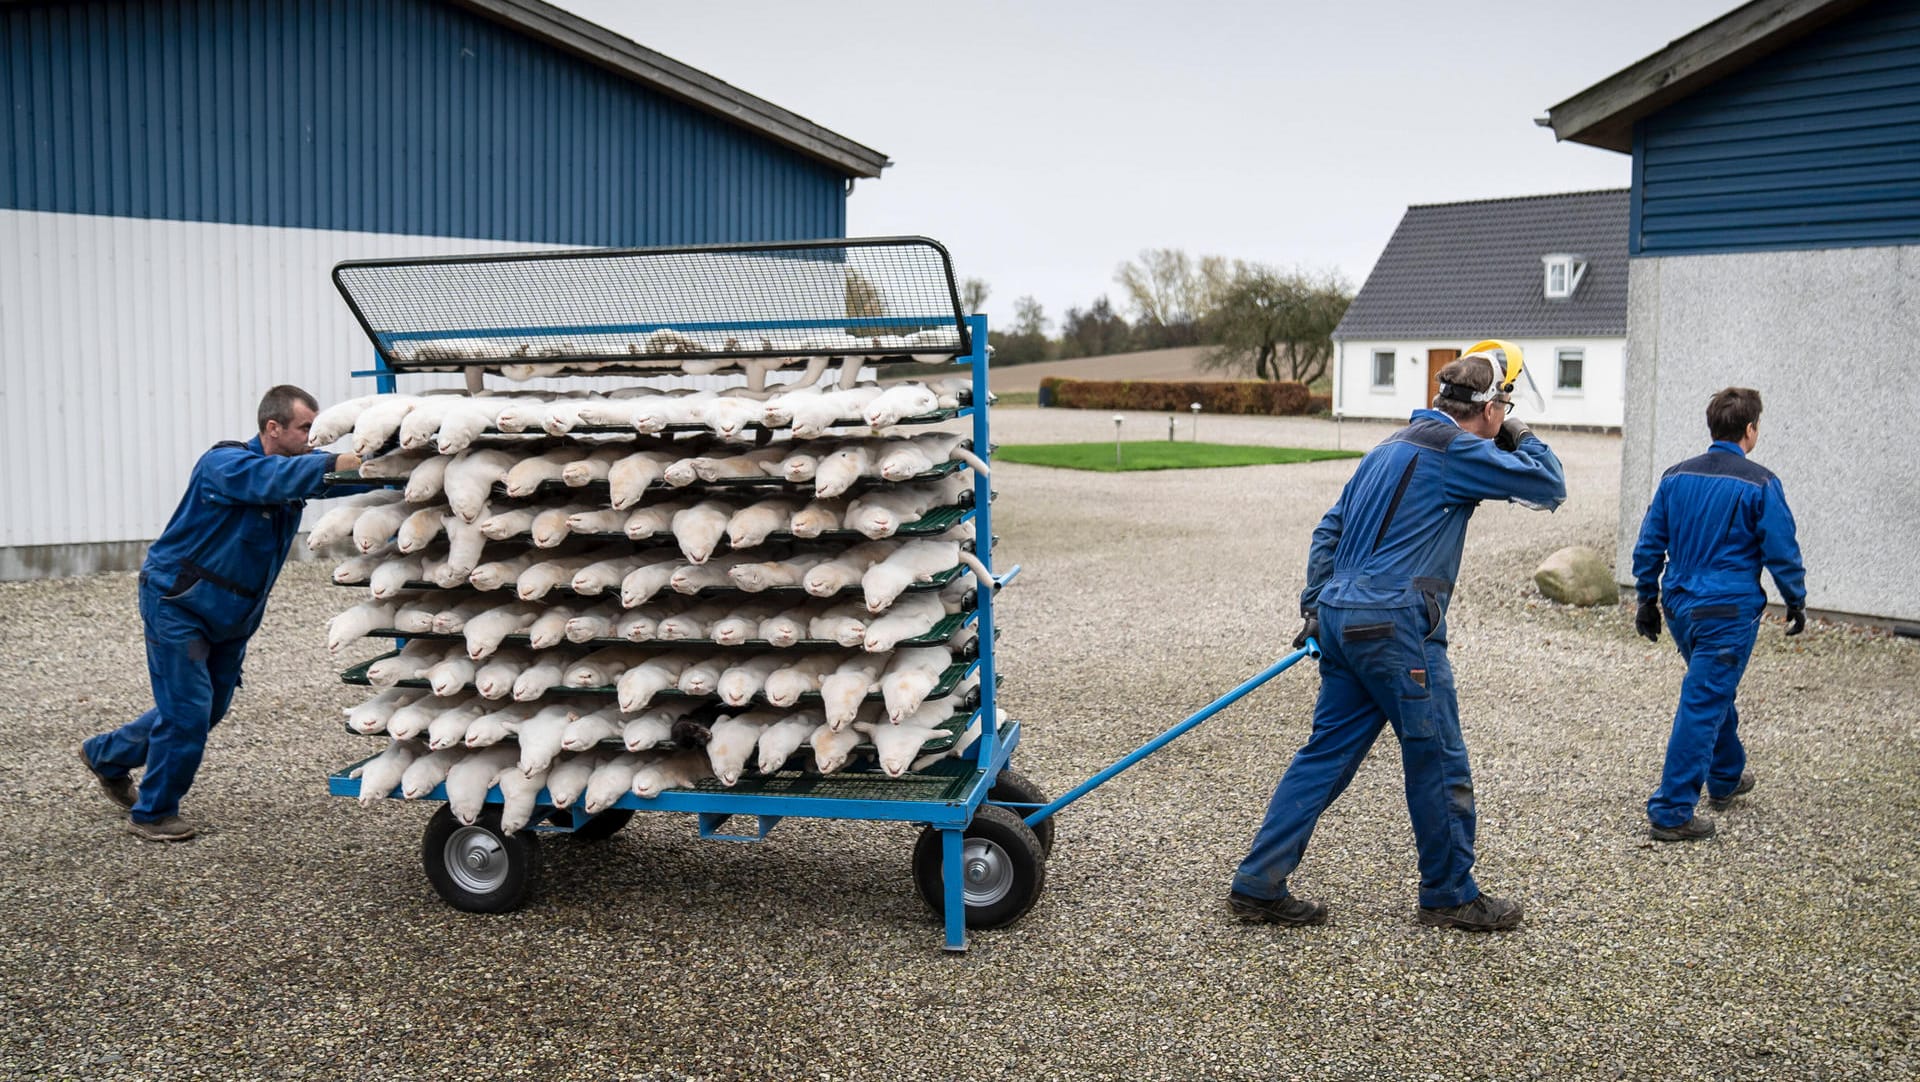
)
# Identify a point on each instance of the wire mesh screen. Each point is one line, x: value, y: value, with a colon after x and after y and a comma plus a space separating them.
x: 660, y: 306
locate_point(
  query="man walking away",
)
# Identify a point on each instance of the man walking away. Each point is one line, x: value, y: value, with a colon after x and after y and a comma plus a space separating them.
x: 1714, y: 522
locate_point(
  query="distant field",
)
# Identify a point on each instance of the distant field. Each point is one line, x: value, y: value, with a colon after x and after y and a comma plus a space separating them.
x: 1157, y: 455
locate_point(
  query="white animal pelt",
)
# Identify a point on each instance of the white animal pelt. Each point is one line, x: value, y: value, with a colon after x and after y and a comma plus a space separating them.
x: 568, y: 776
x: 792, y: 571
x: 832, y: 576
x: 786, y: 684
x: 411, y: 719
x: 372, y: 716
x: 832, y: 747
x: 910, y: 616
x: 470, y: 778
x: 337, y: 420
x: 589, y: 730
x: 899, y: 402
x: 381, y: 774
x: 654, y: 727
x: 742, y: 621
x: 754, y: 523
x: 427, y: 480
x: 411, y: 663
x: 784, y: 737
x: 882, y: 511
x: 594, y: 466
x: 355, y: 622
x: 910, y: 676
x: 485, y: 632
x: 470, y: 478
x: 491, y: 728
x: 610, y: 781
x: 495, y: 679
x: 638, y: 685
x: 743, y: 679
x: 541, y: 736
x: 629, y: 478
x: 495, y: 574
x: 428, y: 771
x: 527, y: 475
x: 915, y: 561
x: 732, y: 740
x: 699, y: 528
x: 901, y: 459
x: 845, y: 624
x: 785, y: 628
x: 678, y: 771
x: 377, y: 423
x: 519, y: 795
x: 818, y: 517
x: 896, y: 745
x: 844, y: 690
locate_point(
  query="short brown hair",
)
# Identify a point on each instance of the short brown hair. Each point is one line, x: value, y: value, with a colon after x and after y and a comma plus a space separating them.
x: 1474, y: 373
x: 1729, y: 412
x: 277, y: 404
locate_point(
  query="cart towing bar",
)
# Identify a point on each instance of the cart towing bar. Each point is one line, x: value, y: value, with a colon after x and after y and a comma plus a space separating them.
x: 1311, y: 649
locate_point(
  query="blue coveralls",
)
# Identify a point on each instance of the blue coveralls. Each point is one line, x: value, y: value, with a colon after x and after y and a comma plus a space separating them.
x: 203, y: 590
x: 1380, y: 577
x: 1715, y: 520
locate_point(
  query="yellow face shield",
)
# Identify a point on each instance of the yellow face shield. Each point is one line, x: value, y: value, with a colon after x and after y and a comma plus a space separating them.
x: 1511, y: 378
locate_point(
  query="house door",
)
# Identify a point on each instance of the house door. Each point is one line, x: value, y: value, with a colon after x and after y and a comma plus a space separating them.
x: 1436, y: 360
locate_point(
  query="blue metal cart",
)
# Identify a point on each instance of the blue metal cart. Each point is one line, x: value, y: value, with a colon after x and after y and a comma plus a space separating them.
x: 980, y: 861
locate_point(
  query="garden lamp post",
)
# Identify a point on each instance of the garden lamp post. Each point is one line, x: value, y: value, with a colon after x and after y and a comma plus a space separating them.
x: 1117, y: 419
x: 1196, y: 421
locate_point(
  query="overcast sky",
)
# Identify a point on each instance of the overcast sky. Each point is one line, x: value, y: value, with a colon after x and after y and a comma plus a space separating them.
x: 1046, y: 142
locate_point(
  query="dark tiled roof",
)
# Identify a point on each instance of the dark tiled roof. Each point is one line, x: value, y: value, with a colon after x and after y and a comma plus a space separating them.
x: 1473, y: 270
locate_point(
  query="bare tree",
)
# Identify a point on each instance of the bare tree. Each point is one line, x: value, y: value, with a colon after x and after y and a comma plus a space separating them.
x: 1278, y: 324
x: 1029, y: 317
x: 973, y: 295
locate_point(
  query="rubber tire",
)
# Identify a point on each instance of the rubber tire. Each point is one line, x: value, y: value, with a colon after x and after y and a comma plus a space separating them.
x: 1017, y: 788
x: 520, y: 851
x: 1025, y: 860
x: 603, y: 826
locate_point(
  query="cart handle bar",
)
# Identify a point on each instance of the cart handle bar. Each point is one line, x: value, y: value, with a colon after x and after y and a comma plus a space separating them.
x: 1311, y: 649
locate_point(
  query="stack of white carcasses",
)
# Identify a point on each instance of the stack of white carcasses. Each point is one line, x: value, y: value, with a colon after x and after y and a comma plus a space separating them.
x: 629, y: 591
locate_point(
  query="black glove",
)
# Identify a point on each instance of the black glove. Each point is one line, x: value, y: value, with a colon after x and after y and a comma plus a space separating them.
x: 1796, y: 620
x: 1647, y: 620
x: 1308, y: 630
x: 1511, y: 431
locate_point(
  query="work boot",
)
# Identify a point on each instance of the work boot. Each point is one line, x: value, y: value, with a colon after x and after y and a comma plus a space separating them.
x: 1722, y: 803
x: 1484, y: 914
x: 120, y: 790
x: 171, y: 829
x: 1288, y: 910
x: 1692, y: 830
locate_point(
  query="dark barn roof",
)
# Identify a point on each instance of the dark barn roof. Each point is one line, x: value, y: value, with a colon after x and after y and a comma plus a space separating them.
x: 1474, y: 269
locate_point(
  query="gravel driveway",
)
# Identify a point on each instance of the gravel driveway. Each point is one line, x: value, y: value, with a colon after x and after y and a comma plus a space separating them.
x: 297, y: 937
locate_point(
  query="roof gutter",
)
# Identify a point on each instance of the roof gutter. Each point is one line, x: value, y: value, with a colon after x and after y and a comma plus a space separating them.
x: 1603, y: 115
x: 629, y: 60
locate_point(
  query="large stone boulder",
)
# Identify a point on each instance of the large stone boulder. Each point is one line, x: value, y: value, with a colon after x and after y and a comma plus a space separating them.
x: 1576, y: 575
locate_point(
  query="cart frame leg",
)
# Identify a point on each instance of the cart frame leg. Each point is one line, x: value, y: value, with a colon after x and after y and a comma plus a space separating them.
x: 953, y: 882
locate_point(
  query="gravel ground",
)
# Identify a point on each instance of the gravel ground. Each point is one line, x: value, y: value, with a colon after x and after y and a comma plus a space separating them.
x: 297, y: 937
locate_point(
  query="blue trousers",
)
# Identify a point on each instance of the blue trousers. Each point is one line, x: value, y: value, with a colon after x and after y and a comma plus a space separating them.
x: 1377, y: 668
x: 1704, y: 747
x: 193, y: 679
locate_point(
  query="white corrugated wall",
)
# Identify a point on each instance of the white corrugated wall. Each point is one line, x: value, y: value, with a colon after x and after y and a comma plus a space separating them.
x: 128, y: 346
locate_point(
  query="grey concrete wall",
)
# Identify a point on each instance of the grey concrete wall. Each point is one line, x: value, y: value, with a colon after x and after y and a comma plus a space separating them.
x: 1832, y: 340
x: 21, y: 562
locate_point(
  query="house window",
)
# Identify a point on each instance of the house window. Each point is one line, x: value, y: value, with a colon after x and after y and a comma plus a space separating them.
x: 1383, y: 368
x: 1571, y: 365
x: 1563, y: 274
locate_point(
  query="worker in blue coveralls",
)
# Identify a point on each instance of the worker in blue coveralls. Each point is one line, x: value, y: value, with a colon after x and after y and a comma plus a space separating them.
x: 1714, y: 521
x: 203, y: 590
x: 1379, y: 579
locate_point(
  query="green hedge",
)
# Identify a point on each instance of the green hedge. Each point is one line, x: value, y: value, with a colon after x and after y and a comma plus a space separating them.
x: 1248, y: 396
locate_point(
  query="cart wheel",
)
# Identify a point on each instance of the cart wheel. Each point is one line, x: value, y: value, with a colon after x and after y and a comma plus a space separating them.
x: 1016, y: 788
x: 603, y: 826
x: 476, y: 868
x: 1004, y: 863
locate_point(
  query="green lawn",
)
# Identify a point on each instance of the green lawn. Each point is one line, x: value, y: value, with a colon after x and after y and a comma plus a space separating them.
x: 1157, y: 455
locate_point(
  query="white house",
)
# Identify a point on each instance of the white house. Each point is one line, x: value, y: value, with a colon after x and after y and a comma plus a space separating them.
x: 1546, y: 272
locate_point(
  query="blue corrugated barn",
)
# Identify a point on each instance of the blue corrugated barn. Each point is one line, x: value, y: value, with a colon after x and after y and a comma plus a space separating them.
x: 1775, y: 243
x: 176, y: 179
